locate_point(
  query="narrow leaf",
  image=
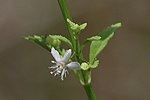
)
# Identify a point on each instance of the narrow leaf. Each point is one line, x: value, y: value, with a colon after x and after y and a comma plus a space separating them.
x: 97, y: 46
x: 94, y: 38
x: 40, y: 40
x: 83, y: 26
x: 109, y: 30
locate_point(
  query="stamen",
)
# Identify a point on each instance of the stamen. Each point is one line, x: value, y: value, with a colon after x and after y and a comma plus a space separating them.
x: 53, y: 67
x: 53, y: 62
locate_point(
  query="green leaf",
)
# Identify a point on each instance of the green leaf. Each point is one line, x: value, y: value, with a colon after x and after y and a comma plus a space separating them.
x: 75, y: 27
x: 94, y: 38
x: 95, y: 65
x: 72, y: 25
x: 48, y: 41
x: 88, y: 40
x: 61, y: 38
x: 83, y: 26
x: 109, y: 30
x: 97, y: 46
x: 40, y: 40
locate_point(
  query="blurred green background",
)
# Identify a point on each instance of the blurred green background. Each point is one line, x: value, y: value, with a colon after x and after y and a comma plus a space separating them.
x: 124, y: 72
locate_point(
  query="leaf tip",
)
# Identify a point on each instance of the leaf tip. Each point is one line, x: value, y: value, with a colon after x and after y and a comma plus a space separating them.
x: 83, y: 26
x: 117, y: 25
x: 27, y: 37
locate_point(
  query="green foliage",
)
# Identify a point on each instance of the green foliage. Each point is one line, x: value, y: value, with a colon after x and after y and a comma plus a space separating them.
x: 86, y: 66
x: 97, y: 46
x: 60, y: 38
x: 89, y: 40
x: 94, y: 38
x: 109, y: 30
x: 75, y: 27
x: 95, y: 65
x: 53, y: 42
x: 98, y: 43
x: 49, y: 41
x: 40, y: 40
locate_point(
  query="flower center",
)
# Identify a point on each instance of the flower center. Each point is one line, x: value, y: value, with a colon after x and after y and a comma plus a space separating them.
x: 61, y: 65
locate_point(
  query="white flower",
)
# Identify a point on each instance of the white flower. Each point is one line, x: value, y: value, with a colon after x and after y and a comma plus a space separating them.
x: 60, y: 66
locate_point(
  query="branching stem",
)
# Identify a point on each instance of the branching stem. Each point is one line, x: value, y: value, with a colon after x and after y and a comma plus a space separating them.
x: 77, y: 49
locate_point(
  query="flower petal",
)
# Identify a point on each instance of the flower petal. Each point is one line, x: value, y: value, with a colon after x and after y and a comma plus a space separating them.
x: 55, y: 54
x: 66, y: 56
x: 74, y: 66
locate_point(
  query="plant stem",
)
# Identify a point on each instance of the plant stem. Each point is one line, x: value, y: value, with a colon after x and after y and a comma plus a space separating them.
x: 66, y: 15
x: 90, y: 92
x: 76, y: 46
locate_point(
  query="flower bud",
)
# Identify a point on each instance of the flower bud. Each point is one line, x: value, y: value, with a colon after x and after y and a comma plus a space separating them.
x: 54, y: 42
x: 85, y: 66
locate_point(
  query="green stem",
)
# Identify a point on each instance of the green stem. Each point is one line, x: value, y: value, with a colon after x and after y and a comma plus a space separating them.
x: 77, y: 49
x: 90, y: 92
x: 66, y: 15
